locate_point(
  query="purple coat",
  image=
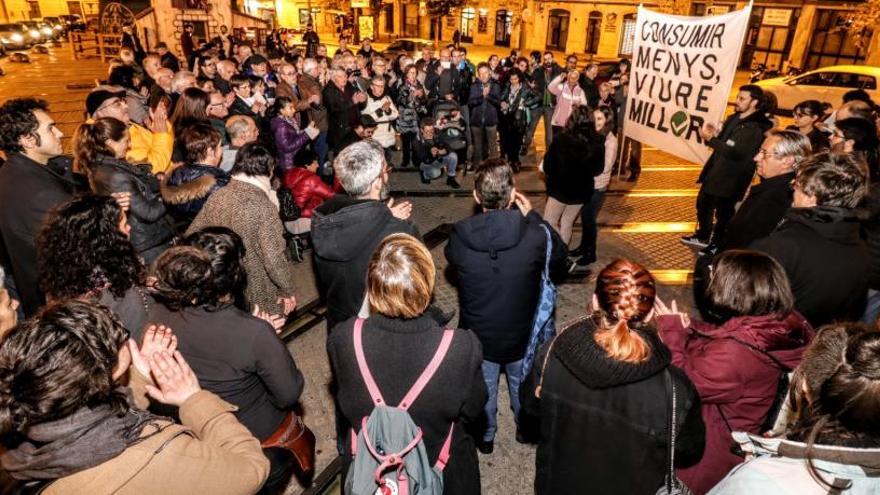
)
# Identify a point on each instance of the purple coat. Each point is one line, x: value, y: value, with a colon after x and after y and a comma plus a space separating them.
x: 288, y: 140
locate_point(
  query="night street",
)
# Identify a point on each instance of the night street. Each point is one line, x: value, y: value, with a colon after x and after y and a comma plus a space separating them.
x: 640, y: 221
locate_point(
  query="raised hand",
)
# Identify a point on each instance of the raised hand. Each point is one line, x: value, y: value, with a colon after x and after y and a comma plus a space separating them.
x: 401, y: 210
x: 157, y: 338
x: 175, y: 380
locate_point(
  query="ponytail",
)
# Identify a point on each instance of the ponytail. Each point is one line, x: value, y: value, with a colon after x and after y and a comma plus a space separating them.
x: 90, y: 140
x: 622, y: 343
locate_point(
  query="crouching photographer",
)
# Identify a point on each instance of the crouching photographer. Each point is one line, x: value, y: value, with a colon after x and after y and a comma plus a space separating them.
x: 433, y: 155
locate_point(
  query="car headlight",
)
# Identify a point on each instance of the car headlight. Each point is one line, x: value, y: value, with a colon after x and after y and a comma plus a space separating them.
x: 47, y: 31
x: 17, y: 37
x: 57, y: 27
x: 34, y: 33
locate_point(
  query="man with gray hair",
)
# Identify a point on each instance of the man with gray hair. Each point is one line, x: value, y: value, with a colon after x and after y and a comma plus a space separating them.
x: 348, y: 227
x: 310, y: 90
x: 241, y: 130
x: 767, y: 202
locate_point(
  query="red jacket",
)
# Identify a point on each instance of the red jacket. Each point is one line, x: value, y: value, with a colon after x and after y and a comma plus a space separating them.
x: 732, y: 379
x: 309, y: 191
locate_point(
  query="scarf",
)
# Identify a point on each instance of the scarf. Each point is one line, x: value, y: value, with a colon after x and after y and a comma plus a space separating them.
x: 261, y: 182
x: 83, y: 440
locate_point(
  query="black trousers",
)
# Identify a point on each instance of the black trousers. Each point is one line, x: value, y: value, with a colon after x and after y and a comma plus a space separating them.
x: 511, y: 139
x: 709, y: 208
x: 406, y: 142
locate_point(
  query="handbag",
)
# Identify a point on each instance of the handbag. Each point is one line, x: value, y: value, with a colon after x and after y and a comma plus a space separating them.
x: 672, y: 485
x: 544, y: 324
x: 293, y: 435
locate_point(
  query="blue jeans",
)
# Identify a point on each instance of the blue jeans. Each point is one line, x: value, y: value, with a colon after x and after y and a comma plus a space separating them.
x: 589, y: 213
x: 491, y: 375
x: 434, y: 169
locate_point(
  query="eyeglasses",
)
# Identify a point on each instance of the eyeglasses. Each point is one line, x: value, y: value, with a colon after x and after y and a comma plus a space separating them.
x: 764, y: 152
x: 118, y: 102
x: 798, y: 115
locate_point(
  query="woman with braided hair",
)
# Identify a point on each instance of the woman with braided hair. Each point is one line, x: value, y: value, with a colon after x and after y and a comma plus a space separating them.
x: 600, y: 391
x: 736, y: 359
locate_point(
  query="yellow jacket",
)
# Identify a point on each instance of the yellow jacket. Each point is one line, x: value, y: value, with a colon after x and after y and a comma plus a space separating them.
x: 151, y: 147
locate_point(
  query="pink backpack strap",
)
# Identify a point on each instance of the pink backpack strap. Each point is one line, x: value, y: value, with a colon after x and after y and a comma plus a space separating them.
x: 426, y: 375
x: 443, y: 458
x: 375, y: 393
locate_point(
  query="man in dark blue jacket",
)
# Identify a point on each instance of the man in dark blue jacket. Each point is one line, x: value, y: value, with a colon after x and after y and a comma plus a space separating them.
x: 497, y: 258
x: 483, y: 102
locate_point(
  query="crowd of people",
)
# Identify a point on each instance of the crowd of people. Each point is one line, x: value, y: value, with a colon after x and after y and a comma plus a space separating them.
x: 145, y: 278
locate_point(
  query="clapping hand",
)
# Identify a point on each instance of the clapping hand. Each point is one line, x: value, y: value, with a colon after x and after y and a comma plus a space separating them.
x: 401, y: 210
x: 288, y: 303
x: 175, y: 380
x: 159, y: 119
x: 660, y: 309
x: 277, y: 321
x: 157, y: 338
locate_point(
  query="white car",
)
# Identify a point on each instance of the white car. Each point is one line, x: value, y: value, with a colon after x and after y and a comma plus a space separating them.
x: 827, y: 84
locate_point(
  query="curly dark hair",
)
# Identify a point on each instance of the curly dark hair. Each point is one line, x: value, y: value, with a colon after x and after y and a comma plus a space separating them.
x: 81, y: 250
x: 58, y: 362
x: 17, y: 120
x: 226, y: 250
x: 185, y: 278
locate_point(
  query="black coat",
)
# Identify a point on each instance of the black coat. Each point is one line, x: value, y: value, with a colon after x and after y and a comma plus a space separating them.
x: 240, y: 107
x: 239, y: 358
x: 28, y: 193
x: 826, y: 262
x: 871, y: 232
x: 146, y: 215
x: 456, y: 393
x: 730, y: 169
x: 591, y: 90
x: 604, y: 422
x: 345, y: 232
x: 342, y: 112
x: 760, y: 213
x: 497, y: 259
x: 570, y: 166
x: 541, y: 77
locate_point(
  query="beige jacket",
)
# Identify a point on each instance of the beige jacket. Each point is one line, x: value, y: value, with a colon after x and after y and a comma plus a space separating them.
x: 209, y: 453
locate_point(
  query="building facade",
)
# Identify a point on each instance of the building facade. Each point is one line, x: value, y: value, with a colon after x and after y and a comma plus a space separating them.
x: 782, y: 33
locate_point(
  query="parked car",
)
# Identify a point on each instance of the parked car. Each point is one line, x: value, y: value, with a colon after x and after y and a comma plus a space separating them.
x: 43, y: 32
x: 15, y: 37
x: 56, y: 25
x: 73, y: 22
x: 412, y: 47
x: 827, y: 84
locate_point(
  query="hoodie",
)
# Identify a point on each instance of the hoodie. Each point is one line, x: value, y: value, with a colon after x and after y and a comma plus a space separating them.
x: 737, y: 385
x: 854, y: 471
x: 825, y: 259
x: 498, y: 258
x: 345, y: 232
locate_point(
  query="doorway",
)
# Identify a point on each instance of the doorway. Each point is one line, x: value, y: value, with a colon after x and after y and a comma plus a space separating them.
x: 466, y: 26
x: 503, y: 22
x: 557, y: 29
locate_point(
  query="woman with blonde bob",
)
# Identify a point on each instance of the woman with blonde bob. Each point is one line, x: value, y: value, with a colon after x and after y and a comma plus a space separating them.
x: 398, y: 340
x: 602, y: 390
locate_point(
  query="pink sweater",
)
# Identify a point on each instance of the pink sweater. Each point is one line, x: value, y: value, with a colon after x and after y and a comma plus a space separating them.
x: 566, y: 98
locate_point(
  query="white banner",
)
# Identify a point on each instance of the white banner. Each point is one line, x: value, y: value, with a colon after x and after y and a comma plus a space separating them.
x: 682, y: 71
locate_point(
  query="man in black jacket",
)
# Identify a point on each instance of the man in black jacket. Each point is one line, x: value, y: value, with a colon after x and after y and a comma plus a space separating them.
x: 343, y: 102
x: 729, y: 171
x: 818, y: 242
x: 30, y: 187
x: 241, y: 85
x: 540, y: 77
x: 347, y: 228
x: 766, y: 204
x: 498, y: 257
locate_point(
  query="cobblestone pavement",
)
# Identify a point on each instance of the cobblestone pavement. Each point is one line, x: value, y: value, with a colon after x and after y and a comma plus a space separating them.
x: 640, y: 221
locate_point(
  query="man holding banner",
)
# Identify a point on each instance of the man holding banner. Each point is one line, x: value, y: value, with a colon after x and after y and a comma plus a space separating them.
x: 729, y: 171
x: 682, y: 72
